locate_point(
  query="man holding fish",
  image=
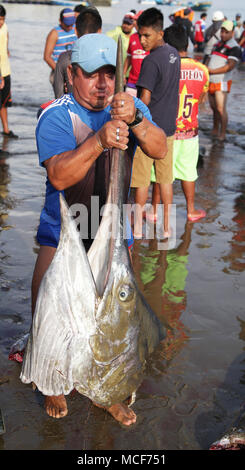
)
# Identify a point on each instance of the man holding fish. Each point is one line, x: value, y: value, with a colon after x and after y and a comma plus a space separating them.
x: 75, y: 135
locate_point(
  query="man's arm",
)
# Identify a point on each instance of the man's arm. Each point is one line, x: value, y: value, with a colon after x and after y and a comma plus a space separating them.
x: 60, y: 75
x: 145, y: 96
x: 226, y: 68
x: 152, y: 140
x: 49, y: 47
x: 1, y: 80
x: 242, y: 41
x: 67, y: 168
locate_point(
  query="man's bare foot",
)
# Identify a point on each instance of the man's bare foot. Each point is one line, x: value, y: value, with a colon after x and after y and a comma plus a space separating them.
x: 121, y: 413
x: 196, y: 215
x: 56, y: 406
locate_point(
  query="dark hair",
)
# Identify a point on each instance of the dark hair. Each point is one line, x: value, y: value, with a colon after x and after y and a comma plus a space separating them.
x: 203, y: 15
x: 151, y: 17
x: 89, y: 21
x: 176, y: 35
x: 79, y: 8
x: 2, y: 11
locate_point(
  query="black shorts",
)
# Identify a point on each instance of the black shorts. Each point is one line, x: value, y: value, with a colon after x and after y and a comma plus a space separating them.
x: 5, y: 93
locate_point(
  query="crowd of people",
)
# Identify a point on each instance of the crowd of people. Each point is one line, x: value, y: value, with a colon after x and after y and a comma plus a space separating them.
x: 155, y: 120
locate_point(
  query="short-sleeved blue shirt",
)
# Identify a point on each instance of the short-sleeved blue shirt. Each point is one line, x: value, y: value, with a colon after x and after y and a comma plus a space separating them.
x: 62, y: 127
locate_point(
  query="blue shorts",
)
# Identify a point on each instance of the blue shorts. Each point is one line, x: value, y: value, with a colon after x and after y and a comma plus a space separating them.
x: 49, y: 235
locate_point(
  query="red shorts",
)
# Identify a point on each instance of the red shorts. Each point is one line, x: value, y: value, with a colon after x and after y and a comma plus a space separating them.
x: 5, y: 93
x: 221, y: 86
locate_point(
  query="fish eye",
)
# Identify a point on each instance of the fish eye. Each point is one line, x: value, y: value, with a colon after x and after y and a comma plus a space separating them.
x: 125, y: 293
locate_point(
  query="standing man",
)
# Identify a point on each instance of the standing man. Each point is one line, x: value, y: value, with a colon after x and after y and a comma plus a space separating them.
x: 225, y: 56
x: 185, y: 21
x: 238, y: 27
x: 212, y: 34
x: 200, y: 27
x: 194, y: 80
x: 75, y: 136
x: 135, y: 56
x: 87, y: 22
x: 5, y: 89
x: 60, y: 39
x: 158, y: 88
x: 125, y: 31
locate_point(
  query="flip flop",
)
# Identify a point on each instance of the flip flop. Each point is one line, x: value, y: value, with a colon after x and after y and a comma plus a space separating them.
x: 194, y: 218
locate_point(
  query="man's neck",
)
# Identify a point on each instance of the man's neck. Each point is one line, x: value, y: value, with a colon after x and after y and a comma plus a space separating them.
x: 183, y: 54
x: 158, y: 44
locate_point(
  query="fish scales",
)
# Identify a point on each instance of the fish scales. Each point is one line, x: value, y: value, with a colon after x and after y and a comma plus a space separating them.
x: 92, y: 328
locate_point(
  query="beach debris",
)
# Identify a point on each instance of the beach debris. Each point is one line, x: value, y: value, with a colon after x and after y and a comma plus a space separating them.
x: 233, y: 440
x: 18, y: 349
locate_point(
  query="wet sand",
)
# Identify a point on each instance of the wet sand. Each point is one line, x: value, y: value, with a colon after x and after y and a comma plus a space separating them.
x: 194, y: 388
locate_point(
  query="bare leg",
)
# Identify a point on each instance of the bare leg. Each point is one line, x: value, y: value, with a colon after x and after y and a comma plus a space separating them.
x: 189, y: 192
x: 55, y: 406
x: 156, y: 197
x: 216, y: 117
x: 221, y: 98
x: 45, y: 256
x: 166, y: 191
x: 141, y: 195
x: 121, y: 412
x: 4, y: 119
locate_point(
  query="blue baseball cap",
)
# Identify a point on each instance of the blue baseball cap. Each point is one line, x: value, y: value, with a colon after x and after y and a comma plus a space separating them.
x: 93, y: 51
x: 68, y: 17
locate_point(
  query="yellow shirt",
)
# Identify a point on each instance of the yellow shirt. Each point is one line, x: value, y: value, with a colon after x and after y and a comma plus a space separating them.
x: 4, y: 59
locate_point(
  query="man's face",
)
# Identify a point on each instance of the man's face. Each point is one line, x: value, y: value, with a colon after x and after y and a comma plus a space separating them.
x: 226, y: 35
x: 150, y: 38
x: 127, y: 28
x: 2, y: 19
x: 92, y: 90
x: 66, y: 27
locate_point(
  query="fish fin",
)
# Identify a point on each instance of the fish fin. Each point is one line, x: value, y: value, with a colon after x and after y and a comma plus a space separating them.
x: 71, y: 248
x: 64, y: 310
x: 152, y: 331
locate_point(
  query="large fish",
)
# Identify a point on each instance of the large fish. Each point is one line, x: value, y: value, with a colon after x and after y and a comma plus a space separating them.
x: 92, y: 329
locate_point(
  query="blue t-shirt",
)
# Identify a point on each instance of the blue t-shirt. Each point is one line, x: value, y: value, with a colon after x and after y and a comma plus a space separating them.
x: 62, y: 127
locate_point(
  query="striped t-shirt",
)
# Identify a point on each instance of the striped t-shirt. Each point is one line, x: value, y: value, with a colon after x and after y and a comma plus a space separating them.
x: 64, y: 42
x: 221, y: 53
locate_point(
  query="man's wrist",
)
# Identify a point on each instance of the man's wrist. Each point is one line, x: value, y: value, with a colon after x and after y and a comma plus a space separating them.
x: 138, y: 118
x: 99, y: 143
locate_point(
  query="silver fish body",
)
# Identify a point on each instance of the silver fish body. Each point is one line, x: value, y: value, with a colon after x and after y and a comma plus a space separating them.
x: 92, y: 329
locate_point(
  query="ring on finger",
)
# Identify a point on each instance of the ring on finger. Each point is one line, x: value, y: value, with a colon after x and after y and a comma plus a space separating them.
x: 117, y: 134
x: 122, y: 103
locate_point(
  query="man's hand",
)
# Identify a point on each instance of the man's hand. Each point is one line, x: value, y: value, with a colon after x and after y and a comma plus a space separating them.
x: 114, y: 134
x: 123, y: 107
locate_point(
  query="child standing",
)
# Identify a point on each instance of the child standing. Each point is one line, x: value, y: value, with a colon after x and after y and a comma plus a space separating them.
x: 194, y: 81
